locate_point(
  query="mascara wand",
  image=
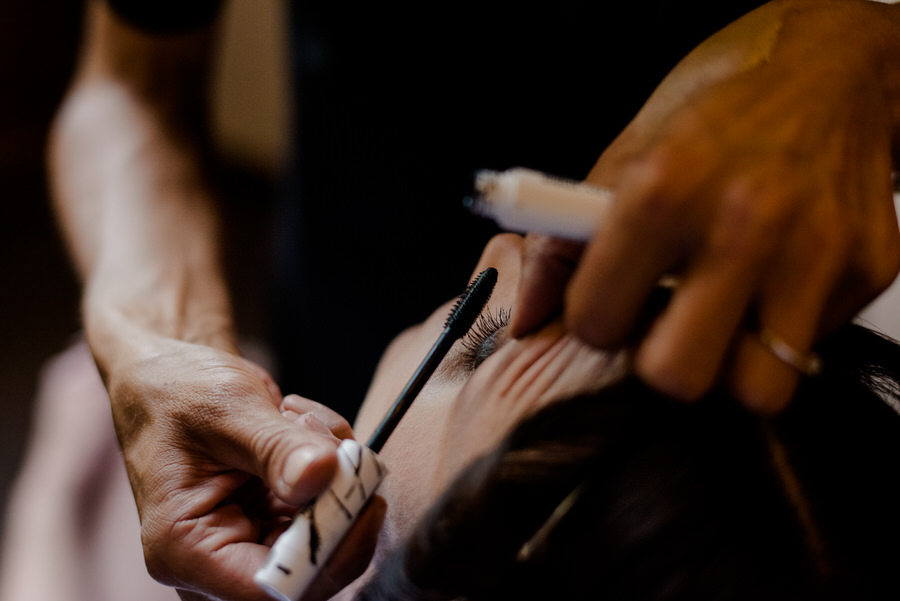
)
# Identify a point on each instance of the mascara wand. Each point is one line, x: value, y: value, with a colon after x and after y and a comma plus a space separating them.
x: 461, y: 318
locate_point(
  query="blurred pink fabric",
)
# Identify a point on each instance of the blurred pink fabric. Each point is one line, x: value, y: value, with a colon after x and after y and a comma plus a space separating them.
x: 71, y: 529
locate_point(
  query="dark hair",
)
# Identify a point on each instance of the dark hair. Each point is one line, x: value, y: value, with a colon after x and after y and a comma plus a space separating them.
x: 669, y: 501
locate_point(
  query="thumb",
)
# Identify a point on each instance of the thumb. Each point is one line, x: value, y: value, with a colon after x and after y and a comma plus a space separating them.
x: 294, y: 453
x: 302, y: 463
x: 547, y: 266
x: 296, y: 458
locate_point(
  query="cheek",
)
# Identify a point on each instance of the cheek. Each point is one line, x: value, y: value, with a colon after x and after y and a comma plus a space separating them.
x: 394, y: 369
x: 411, y: 454
x: 468, y: 434
x: 472, y: 425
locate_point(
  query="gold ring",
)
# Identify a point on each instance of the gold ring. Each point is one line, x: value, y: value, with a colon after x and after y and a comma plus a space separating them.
x: 809, y: 364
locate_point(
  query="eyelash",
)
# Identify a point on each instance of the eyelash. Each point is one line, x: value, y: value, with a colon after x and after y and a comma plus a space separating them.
x: 479, y: 341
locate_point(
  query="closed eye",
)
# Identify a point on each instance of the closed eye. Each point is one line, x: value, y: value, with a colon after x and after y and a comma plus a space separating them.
x: 484, y: 337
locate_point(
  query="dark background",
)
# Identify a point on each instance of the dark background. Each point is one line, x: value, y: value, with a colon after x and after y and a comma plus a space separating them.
x: 38, y: 291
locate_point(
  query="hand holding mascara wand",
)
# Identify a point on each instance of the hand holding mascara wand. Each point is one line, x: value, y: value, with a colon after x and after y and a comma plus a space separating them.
x: 305, y: 546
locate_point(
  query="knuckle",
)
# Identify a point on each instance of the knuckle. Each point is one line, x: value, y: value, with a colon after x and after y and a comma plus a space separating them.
x: 652, y: 170
x: 156, y: 557
x: 265, y: 444
x: 157, y: 569
x: 652, y: 203
x: 749, y: 221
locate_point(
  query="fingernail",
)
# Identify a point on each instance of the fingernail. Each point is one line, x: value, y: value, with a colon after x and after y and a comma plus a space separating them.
x: 317, y: 425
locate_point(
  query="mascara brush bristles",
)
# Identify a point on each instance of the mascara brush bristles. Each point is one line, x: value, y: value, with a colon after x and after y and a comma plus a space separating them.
x: 471, y: 302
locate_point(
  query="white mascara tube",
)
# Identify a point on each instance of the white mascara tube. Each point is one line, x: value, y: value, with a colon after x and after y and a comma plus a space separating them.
x: 305, y: 546
x: 523, y: 200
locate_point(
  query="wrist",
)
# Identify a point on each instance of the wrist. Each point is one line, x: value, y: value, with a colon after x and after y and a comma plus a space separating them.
x: 128, y: 324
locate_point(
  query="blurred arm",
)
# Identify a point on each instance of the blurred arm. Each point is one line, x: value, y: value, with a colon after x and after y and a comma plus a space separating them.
x: 126, y: 162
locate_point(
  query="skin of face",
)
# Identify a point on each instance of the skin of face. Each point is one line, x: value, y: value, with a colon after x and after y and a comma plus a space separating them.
x: 461, y: 414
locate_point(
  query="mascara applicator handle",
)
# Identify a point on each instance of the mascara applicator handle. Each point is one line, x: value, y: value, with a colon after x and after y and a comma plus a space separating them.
x: 306, y: 545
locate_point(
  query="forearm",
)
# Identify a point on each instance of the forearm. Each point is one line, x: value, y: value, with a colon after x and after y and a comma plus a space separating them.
x: 135, y: 207
x: 140, y: 221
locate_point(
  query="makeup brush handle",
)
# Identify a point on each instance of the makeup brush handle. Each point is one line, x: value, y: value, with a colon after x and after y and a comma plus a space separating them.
x: 523, y: 200
x: 305, y: 546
